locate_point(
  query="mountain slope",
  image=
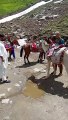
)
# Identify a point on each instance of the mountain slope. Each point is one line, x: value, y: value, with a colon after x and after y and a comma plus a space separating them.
x: 10, y: 6
x: 50, y: 17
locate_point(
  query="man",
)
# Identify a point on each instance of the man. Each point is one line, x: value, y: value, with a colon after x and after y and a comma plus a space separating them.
x: 59, y: 40
x: 3, y: 62
x: 60, y: 43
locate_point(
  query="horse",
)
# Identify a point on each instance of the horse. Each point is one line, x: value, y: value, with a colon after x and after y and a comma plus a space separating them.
x: 34, y: 46
x: 30, y: 47
x: 27, y: 50
x: 56, y: 56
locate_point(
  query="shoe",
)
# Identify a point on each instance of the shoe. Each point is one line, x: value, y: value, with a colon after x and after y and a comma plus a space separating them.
x: 5, y: 81
x: 0, y: 81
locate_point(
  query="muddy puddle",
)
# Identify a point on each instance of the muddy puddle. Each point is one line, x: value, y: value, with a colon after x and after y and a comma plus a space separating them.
x: 32, y: 90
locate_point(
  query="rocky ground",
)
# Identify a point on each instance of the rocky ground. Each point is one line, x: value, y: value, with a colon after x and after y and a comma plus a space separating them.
x: 29, y: 96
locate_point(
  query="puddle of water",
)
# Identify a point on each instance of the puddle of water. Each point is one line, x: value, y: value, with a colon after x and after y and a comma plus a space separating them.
x: 32, y: 90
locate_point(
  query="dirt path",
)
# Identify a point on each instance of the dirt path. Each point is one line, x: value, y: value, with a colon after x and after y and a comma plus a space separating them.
x: 38, y: 99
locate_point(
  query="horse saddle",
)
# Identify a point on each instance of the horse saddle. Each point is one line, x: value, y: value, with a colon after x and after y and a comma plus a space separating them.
x: 34, y: 47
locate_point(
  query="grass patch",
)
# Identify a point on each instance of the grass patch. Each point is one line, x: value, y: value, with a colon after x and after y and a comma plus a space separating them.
x: 10, y: 6
x: 59, y: 25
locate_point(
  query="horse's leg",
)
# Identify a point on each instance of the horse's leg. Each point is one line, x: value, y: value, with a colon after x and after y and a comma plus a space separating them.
x: 28, y: 59
x: 48, y: 68
x: 25, y: 59
x: 60, y: 68
x: 55, y: 69
x: 44, y: 55
x: 40, y: 57
x: 61, y: 63
x: 21, y: 51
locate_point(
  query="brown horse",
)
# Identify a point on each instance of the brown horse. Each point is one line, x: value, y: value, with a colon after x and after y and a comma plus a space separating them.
x: 33, y: 45
x: 31, y: 48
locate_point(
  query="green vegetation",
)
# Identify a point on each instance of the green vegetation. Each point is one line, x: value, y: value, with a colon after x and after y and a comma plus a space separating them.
x: 10, y: 6
x: 59, y: 25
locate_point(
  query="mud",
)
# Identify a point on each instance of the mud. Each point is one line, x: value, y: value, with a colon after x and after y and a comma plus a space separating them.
x: 32, y: 90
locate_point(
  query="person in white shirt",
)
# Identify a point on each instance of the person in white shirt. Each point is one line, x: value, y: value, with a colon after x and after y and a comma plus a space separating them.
x: 3, y: 62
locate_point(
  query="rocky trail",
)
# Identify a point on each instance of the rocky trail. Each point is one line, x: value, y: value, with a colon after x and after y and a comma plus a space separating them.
x: 29, y: 96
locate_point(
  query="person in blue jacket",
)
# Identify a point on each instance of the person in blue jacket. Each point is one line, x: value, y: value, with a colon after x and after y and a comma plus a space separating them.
x: 60, y: 43
x: 12, y: 52
x: 59, y: 40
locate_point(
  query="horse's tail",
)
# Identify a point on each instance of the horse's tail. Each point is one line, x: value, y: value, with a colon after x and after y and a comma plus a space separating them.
x: 21, y: 51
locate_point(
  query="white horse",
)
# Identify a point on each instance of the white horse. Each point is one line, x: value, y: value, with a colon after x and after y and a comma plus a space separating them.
x: 55, y: 56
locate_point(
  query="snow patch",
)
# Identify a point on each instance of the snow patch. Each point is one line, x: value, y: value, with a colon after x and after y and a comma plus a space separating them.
x: 59, y: 1
x: 9, y: 18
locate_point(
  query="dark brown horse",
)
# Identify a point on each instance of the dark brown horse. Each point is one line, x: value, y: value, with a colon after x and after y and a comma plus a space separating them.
x: 27, y: 49
x: 34, y: 46
x: 31, y: 48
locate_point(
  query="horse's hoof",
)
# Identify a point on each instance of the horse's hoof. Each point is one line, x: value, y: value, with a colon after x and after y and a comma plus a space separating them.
x: 38, y: 61
x: 29, y: 63
x: 60, y: 74
x: 46, y: 77
x: 52, y: 73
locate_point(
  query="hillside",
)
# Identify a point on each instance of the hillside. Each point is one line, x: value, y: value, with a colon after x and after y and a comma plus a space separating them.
x: 28, y: 95
x: 11, y: 6
x: 50, y: 17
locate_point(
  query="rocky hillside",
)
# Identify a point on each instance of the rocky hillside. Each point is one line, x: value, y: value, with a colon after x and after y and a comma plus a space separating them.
x: 50, y: 17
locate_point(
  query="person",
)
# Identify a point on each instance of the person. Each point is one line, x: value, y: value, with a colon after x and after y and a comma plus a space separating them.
x: 59, y: 40
x: 60, y: 43
x: 52, y: 37
x: 3, y: 62
x: 12, y: 51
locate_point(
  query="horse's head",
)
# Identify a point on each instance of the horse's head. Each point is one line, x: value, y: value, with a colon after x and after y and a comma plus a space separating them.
x: 45, y: 45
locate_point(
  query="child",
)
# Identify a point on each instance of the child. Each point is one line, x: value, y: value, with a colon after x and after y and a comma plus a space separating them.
x: 12, y: 52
